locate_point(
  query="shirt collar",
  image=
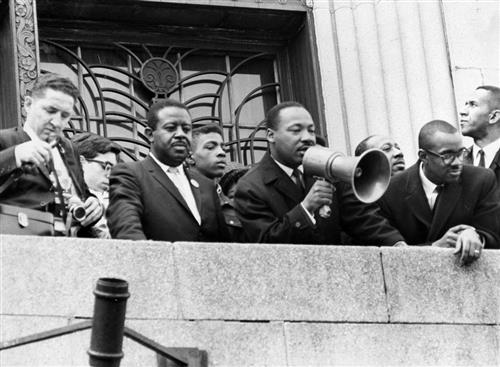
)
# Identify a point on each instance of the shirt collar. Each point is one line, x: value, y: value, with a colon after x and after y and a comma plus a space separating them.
x: 287, y: 169
x: 490, y: 151
x: 164, y: 166
x: 427, y: 184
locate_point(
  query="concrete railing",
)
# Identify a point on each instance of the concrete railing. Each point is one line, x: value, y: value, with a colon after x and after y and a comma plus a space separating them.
x: 250, y: 304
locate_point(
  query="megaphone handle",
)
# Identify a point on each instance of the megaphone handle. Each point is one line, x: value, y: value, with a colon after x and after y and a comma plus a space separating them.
x: 325, y: 211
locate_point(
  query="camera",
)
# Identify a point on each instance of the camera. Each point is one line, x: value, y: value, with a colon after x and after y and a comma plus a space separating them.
x: 78, y: 212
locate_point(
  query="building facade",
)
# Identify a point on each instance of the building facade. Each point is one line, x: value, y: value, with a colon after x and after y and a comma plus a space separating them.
x: 360, y: 66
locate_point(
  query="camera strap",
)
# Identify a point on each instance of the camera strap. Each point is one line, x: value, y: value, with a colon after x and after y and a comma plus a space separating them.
x: 59, y: 191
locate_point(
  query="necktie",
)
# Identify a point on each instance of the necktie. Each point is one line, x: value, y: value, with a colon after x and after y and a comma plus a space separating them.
x: 438, y: 191
x: 297, y: 178
x: 185, y: 190
x: 481, y: 158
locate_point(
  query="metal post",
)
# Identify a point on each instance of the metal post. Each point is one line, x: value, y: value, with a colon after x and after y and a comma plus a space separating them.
x: 108, y: 322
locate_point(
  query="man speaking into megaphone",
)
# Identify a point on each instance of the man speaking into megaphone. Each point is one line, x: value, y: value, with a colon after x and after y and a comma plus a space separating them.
x: 278, y: 203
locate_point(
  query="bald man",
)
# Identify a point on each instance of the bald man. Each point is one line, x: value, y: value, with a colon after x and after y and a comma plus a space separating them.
x: 441, y: 202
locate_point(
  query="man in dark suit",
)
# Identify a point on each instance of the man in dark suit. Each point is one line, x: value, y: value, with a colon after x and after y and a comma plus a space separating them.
x: 157, y: 198
x: 39, y: 168
x: 278, y: 204
x: 441, y: 202
x: 480, y: 119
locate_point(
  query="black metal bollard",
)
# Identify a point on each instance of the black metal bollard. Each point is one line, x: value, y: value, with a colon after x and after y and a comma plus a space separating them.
x: 108, y: 322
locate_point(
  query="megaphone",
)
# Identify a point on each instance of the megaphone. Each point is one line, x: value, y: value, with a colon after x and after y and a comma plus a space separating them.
x: 369, y: 174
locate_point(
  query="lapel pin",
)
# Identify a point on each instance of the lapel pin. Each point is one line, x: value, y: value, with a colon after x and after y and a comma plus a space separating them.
x: 195, y: 183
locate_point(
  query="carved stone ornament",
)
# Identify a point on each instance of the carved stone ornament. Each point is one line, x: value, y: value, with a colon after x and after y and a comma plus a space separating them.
x: 158, y: 75
x: 26, y: 46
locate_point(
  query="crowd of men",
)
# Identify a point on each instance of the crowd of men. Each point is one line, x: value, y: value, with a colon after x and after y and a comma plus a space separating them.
x: 184, y: 191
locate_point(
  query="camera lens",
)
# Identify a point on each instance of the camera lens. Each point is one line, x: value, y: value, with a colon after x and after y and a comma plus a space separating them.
x: 79, y: 213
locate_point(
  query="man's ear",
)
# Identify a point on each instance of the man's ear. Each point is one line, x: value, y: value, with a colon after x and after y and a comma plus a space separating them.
x: 82, y: 159
x: 494, y: 116
x: 149, y: 134
x: 28, y: 101
x: 189, y: 160
x: 422, y: 155
x: 270, y: 135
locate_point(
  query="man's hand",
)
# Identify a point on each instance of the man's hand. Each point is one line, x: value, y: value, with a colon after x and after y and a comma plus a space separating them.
x: 470, y: 246
x: 320, y: 194
x: 37, y: 152
x: 449, y: 239
x: 94, y: 211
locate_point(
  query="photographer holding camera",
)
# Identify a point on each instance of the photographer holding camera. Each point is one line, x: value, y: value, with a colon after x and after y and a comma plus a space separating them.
x: 39, y: 168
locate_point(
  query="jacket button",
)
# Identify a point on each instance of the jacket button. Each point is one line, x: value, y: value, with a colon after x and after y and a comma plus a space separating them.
x: 297, y: 224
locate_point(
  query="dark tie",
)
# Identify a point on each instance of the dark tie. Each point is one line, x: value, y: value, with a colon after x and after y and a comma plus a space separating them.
x: 439, y: 190
x: 481, y: 159
x: 297, y: 178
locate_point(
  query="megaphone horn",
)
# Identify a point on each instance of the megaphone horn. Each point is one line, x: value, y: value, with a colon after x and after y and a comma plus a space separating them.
x: 369, y: 174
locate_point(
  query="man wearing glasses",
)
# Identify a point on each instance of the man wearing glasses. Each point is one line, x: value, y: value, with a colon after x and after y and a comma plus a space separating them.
x: 441, y: 202
x: 98, y: 155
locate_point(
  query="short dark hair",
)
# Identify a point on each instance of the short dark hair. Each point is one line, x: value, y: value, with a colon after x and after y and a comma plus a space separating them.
x: 494, y: 101
x: 273, y: 115
x: 152, y: 115
x: 430, y: 129
x: 362, y: 146
x: 90, y: 144
x: 230, y: 178
x: 55, y: 82
x: 205, y: 129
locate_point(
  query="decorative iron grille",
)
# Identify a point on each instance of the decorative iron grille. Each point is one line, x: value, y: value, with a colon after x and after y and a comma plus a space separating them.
x: 118, y: 82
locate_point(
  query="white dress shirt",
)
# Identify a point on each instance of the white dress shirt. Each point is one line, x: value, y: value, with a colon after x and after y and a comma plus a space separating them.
x: 430, y: 188
x: 181, y: 182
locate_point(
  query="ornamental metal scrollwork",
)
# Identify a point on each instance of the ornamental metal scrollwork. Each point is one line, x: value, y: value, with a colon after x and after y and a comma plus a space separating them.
x: 26, y: 46
x: 158, y: 75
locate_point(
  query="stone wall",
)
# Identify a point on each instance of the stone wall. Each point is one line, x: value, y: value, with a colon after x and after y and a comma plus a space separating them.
x: 248, y: 304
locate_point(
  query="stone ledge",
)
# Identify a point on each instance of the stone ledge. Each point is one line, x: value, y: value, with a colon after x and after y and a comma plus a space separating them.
x: 56, y: 276
x: 427, y: 285
x: 280, y: 282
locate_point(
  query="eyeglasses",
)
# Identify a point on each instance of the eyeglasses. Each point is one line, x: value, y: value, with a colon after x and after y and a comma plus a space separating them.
x: 106, y: 166
x: 449, y: 157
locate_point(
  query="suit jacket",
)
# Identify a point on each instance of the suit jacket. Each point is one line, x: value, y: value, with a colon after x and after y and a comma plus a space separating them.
x: 495, y: 164
x: 145, y: 204
x: 267, y: 202
x: 472, y: 200
x: 32, y: 188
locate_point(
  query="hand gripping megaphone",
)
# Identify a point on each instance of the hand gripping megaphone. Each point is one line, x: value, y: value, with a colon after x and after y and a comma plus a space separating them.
x: 369, y: 174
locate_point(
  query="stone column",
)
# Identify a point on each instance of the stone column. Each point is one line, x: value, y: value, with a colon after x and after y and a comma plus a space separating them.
x: 26, y: 45
x: 391, y: 73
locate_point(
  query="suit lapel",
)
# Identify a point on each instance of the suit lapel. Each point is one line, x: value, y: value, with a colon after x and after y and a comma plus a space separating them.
x: 495, y: 163
x: 162, y: 178
x: 276, y: 176
x: 195, y: 188
x: 417, y: 201
x: 449, y: 198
